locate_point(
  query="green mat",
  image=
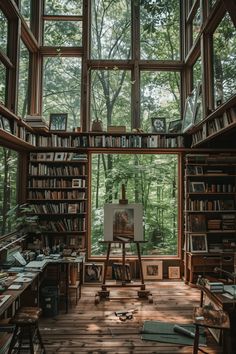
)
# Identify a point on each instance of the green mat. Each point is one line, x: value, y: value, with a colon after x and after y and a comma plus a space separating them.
x: 164, y: 332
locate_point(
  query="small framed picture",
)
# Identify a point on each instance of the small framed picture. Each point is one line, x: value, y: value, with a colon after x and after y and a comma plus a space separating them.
x: 152, y: 270
x: 58, y: 121
x: 173, y: 272
x: 198, y: 170
x: 41, y: 156
x: 197, y: 222
x: 93, y: 273
x: 158, y: 125
x: 59, y: 156
x: 6, y: 125
x: 175, y: 126
x: 197, y: 187
x: 76, y: 183
x: 72, y: 208
x: 198, y: 243
x: 49, y: 156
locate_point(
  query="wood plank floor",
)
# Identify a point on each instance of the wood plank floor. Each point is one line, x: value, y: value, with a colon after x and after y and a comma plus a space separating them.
x: 93, y: 329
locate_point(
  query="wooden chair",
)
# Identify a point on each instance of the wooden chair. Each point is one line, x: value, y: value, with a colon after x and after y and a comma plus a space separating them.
x: 207, y: 317
x: 26, y: 330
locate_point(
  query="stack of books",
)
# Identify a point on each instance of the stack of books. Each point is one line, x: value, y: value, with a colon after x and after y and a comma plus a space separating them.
x: 214, y: 224
x: 37, y: 122
x: 215, y: 286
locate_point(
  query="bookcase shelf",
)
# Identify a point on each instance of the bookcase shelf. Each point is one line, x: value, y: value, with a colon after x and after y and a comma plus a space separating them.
x: 57, y: 194
x: 210, y: 212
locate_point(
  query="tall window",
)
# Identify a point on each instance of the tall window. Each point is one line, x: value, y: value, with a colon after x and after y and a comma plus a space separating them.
x: 151, y: 180
x: 8, y: 177
x: 23, y: 83
x: 224, y: 60
x: 61, y: 88
x: 3, y: 49
x: 3, y: 74
x: 25, y: 9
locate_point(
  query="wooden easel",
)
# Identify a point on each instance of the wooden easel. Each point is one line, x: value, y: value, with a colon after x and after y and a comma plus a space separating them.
x: 104, y: 293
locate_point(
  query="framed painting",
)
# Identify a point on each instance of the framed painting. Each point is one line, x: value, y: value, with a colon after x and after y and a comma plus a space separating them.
x: 6, y: 125
x: 123, y: 222
x: 152, y: 270
x: 197, y: 187
x: 58, y: 121
x: 198, y: 243
x: 93, y: 273
x: 158, y: 125
x: 173, y: 272
x: 197, y: 222
x: 175, y: 126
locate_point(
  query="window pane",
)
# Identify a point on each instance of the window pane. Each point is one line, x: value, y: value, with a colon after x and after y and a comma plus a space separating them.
x: 111, y: 32
x: 23, y: 87
x: 61, y: 88
x: 160, y: 30
x: 224, y: 50
x: 63, y: 7
x: 8, y: 177
x: 160, y: 97
x: 196, y: 24
x: 111, y: 97
x: 3, y: 32
x: 25, y: 10
x: 156, y: 187
x: 3, y: 75
x: 62, y: 33
x: 197, y: 72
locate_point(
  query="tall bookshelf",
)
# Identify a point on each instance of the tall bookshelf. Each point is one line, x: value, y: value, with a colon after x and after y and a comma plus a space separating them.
x: 210, y: 213
x: 57, y: 193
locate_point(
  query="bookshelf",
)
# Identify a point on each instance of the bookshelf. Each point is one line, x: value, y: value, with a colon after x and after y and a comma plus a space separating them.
x: 57, y: 193
x: 217, y: 123
x: 210, y: 218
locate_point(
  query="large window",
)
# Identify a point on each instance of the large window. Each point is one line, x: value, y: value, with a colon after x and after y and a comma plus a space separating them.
x: 61, y: 88
x: 23, y: 83
x: 8, y: 176
x: 224, y: 50
x: 150, y: 179
x: 3, y: 74
x: 3, y: 32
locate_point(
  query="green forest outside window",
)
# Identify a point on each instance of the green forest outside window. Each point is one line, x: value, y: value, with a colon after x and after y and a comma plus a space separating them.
x: 8, y: 180
x: 23, y: 86
x: 150, y: 179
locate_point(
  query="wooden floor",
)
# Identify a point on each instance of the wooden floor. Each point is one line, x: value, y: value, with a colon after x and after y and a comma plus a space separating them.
x: 93, y: 329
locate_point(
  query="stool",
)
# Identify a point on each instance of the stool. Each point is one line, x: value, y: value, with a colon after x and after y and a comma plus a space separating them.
x: 207, y: 317
x: 26, y: 327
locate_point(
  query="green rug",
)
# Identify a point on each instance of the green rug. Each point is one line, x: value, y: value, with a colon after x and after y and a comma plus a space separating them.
x: 164, y: 332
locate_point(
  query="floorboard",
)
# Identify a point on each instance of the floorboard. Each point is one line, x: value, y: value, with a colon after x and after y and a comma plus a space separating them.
x: 94, y: 329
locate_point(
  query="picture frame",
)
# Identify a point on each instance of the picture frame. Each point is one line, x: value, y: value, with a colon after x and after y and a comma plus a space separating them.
x: 158, y: 125
x: 189, y: 110
x: 197, y: 187
x: 41, y: 156
x: 175, y: 126
x: 59, y: 156
x: 93, y: 273
x: 197, y: 222
x: 152, y: 270
x: 174, y: 272
x: 198, y: 243
x: 6, y: 124
x: 123, y: 222
x: 58, y: 121
x: 49, y: 156
x: 75, y: 183
x: 72, y: 208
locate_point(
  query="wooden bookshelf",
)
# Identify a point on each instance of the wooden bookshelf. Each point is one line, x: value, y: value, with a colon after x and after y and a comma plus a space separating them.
x: 57, y: 193
x: 210, y: 205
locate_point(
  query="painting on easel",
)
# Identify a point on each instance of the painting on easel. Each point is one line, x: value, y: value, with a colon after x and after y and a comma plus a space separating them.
x: 123, y: 222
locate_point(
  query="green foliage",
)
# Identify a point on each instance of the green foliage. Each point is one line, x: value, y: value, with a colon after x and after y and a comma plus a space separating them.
x: 21, y: 220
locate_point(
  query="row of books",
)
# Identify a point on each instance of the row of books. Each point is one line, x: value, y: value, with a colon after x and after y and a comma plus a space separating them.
x: 215, y: 286
x: 210, y: 205
x: 220, y: 188
x: 214, y: 125
x: 206, y: 159
x: 57, y: 156
x: 42, y: 169
x: 54, y: 183
x: 36, y: 121
x: 199, y: 222
x: 56, y: 195
x: 61, y: 208
x: 65, y: 225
